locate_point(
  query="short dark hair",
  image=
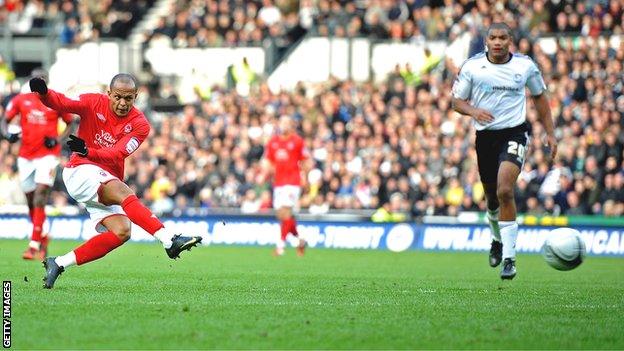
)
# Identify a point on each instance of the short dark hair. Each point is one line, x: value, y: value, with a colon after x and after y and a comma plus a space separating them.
x: 124, y: 78
x: 500, y: 25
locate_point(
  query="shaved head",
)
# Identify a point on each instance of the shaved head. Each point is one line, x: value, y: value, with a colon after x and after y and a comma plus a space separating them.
x: 125, y: 79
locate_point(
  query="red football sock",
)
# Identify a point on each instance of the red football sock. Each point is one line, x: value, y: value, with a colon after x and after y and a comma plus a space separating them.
x: 284, y: 229
x: 97, y: 247
x: 30, y: 213
x: 38, y: 217
x: 141, y: 215
x: 292, y: 226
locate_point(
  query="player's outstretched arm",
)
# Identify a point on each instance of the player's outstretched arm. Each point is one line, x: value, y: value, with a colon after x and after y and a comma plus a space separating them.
x: 545, y: 116
x: 56, y: 100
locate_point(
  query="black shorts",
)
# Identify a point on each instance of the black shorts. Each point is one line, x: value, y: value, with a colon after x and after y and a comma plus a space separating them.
x: 496, y: 146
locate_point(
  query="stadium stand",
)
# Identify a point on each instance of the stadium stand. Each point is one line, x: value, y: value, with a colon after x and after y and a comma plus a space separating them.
x: 75, y: 21
x: 397, y: 142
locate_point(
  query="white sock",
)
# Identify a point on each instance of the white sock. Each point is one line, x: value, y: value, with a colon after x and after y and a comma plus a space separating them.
x: 34, y: 244
x: 279, y: 246
x: 492, y: 217
x: 509, y: 233
x: 164, y: 236
x: 67, y: 260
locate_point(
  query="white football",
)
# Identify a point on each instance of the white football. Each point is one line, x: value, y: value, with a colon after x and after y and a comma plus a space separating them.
x: 564, y: 249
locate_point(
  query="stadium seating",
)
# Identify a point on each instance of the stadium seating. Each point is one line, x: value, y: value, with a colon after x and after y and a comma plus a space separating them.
x: 371, y: 141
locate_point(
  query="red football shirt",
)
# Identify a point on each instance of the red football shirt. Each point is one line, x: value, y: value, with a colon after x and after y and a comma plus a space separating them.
x: 285, y: 154
x: 109, y: 138
x: 37, y: 121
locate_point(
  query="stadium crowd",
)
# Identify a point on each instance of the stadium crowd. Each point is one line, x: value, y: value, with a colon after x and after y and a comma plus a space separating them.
x: 397, y: 144
x: 392, y: 143
x: 228, y: 23
x: 75, y: 21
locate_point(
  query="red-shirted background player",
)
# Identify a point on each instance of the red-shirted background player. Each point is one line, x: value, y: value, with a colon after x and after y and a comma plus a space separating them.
x: 284, y: 152
x: 38, y: 157
x: 110, y: 130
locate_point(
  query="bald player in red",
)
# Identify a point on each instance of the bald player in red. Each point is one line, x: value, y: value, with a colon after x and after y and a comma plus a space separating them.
x: 110, y: 130
x: 38, y: 157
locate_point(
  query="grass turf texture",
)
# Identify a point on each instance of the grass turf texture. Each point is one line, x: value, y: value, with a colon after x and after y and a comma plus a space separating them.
x: 242, y: 297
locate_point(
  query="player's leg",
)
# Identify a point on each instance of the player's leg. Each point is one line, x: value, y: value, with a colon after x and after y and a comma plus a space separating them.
x: 113, y: 230
x: 507, y: 176
x: 30, y: 197
x: 292, y: 194
x: 116, y: 232
x: 511, y: 157
x: 26, y: 170
x: 42, y: 193
x: 292, y: 223
x: 280, y: 245
x: 45, y: 174
x: 487, y: 160
x: 115, y: 192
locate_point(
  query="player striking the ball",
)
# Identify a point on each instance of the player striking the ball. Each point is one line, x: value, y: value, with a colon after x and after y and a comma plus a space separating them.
x: 38, y: 158
x: 284, y: 152
x: 110, y: 130
x: 490, y: 88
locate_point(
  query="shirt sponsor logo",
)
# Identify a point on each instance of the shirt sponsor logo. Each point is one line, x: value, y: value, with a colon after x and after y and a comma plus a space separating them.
x: 104, y: 139
x: 281, y: 154
x: 132, y: 145
x: 36, y: 117
x: 504, y: 88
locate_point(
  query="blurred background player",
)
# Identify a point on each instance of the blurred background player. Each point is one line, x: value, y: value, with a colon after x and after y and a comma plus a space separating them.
x: 284, y: 151
x: 111, y: 129
x: 490, y: 88
x: 38, y: 157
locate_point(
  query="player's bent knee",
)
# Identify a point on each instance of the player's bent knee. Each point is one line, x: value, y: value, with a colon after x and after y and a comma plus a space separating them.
x: 505, y: 194
x: 118, y: 225
x: 123, y: 233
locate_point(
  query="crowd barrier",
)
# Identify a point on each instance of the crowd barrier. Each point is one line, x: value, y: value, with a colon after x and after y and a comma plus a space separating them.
x: 397, y: 237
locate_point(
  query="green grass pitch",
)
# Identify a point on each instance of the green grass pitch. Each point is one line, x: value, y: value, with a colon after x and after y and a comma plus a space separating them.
x: 242, y: 298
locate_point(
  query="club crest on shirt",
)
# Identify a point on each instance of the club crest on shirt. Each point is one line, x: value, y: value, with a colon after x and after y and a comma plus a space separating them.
x: 517, y: 78
x: 101, y: 117
x: 127, y: 128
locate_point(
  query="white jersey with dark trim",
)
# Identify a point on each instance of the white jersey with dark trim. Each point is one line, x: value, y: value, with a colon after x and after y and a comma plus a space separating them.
x: 499, y: 88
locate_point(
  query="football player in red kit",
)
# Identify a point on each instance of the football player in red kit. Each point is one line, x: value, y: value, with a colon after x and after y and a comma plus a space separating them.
x: 110, y: 130
x: 38, y: 157
x: 284, y: 153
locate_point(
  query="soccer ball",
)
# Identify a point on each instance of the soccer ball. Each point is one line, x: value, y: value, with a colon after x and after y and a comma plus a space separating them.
x: 564, y: 249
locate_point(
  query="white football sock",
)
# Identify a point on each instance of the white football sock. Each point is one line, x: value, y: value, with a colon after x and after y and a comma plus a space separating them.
x: 67, y: 260
x: 509, y: 233
x: 34, y: 244
x: 164, y: 236
x: 492, y: 217
x: 279, y: 247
